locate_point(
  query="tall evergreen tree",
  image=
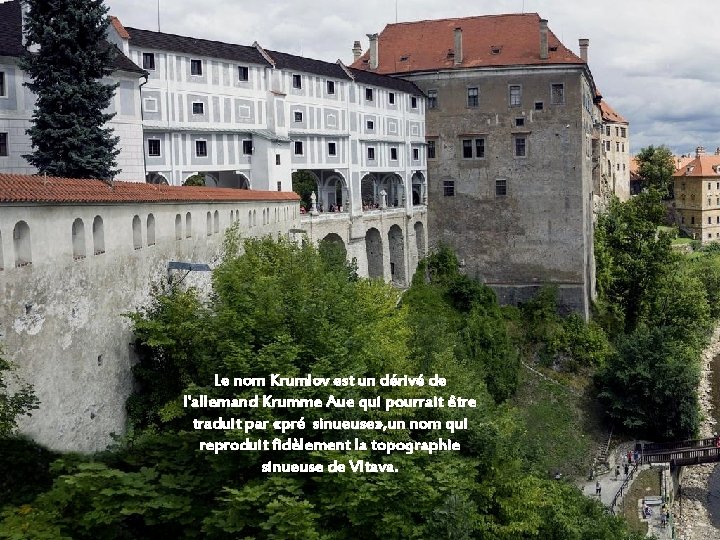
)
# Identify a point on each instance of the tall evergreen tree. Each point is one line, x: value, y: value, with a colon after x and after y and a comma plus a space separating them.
x: 69, y: 134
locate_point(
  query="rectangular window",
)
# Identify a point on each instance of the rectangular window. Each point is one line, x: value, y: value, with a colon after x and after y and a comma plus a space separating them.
x: 149, y: 61
x: 432, y: 99
x: 617, y: 146
x: 150, y: 105
x: 623, y: 132
x: 393, y: 154
x: 298, y: 148
x: 607, y: 131
x: 277, y: 159
x: 539, y: 105
x: 709, y: 220
x: 413, y: 102
x: 467, y: 148
x: 297, y: 81
x: 196, y: 67
x: 243, y: 73
x: 3, y: 144
x: 297, y: 116
x: 198, y: 107
x: 279, y: 186
x: 332, y: 149
x: 479, y: 148
x: 520, y: 147
x: 500, y: 188
x: 154, y: 147
x: 431, y: 149
x: 370, y: 153
x: 607, y: 146
x: 331, y: 87
x: 617, y: 131
x: 416, y: 154
x: 472, y: 97
x: 519, y: 122
x: 247, y: 147
x: 515, y: 95
x: 201, y: 148
x: 391, y: 98
x: 368, y: 94
x: 557, y: 95
x: 370, y: 125
x: 448, y: 188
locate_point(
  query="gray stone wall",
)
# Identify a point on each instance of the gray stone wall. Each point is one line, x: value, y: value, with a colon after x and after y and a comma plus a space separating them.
x: 540, y: 230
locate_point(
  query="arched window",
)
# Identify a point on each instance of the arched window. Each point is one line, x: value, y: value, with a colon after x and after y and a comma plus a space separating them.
x: 232, y: 216
x: 178, y: 227
x: 237, y: 215
x: 21, y: 243
x: 150, y: 230
x: 254, y: 218
x: 208, y: 227
x: 216, y: 219
x: 98, y: 236
x: 2, y: 266
x: 137, y: 233
x: 78, y: 239
x: 249, y: 218
x: 188, y: 225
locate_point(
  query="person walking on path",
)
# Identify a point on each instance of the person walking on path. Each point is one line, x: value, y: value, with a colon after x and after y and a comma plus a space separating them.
x: 598, y: 488
x: 629, y: 457
x: 617, y: 472
x: 627, y: 468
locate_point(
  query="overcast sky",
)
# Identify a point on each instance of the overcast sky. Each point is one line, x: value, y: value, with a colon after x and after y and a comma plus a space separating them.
x: 656, y: 62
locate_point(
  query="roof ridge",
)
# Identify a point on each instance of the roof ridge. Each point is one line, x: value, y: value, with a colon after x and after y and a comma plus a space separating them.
x: 132, y: 28
x: 465, y: 18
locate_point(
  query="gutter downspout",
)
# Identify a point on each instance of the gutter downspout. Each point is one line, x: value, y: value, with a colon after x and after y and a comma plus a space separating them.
x: 142, y: 121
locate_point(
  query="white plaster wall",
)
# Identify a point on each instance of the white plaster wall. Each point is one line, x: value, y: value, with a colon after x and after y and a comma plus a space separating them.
x: 61, y: 319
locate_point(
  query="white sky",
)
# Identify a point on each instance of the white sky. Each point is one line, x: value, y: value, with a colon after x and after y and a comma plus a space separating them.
x: 656, y: 62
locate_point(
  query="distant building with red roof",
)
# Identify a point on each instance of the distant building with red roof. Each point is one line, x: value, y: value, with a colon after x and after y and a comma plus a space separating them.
x: 697, y: 195
x: 513, y: 150
x: 615, y: 163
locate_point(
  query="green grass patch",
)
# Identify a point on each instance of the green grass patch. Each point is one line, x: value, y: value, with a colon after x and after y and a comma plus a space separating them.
x: 681, y: 241
x: 561, y: 429
x: 646, y: 483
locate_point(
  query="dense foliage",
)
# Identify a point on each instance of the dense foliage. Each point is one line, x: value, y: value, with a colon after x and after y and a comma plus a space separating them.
x: 656, y: 166
x: 68, y: 133
x: 283, y: 309
x: 658, y: 306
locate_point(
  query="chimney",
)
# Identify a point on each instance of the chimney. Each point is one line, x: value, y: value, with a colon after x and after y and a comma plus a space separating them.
x: 700, y: 151
x: 458, y: 46
x: 543, y: 39
x: 584, y: 44
x: 357, y: 51
x: 717, y: 151
x: 373, y: 50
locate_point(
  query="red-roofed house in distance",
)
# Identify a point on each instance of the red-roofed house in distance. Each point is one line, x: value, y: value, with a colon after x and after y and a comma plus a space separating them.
x: 697, y: 196
x: 510, y: 125
x: 615, y: 165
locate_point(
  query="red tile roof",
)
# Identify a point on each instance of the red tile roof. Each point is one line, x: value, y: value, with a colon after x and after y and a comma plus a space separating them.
x: 609, y: 114
x: 704, y: 165
x: 424, y: 45
x: 16, y: 188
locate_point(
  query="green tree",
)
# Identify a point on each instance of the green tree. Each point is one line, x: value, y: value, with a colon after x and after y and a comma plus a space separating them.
x: 195, y: 180
x: 13, y: 404
x: 656, y: 165
x: 68, y: 132
x: 304, y: 184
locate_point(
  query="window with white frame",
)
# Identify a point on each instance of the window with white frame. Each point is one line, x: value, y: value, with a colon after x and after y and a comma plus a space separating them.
x: 416, y: 154
x: 298, y: 148
x: 371, y: 153
x: 472, y: 97
x: 150, y: 105
x: 148, y: 60
x: 201, y: 148
x: 331, y: 87
x: 448, y: 188
x: 432, y: 99
x: 3, y: 144
x: 500, y: 188
x: 331, y: 120
x: 297, y: 116
x: 370, y: 125
x: 332, y: 149
x: 243, y: 73
x: 247, y: 147
x: 368, y: 94
x: 196, y: 67
x: 3, y: 85
x: 297, y: 81
x: 198, y: 107
x: 391, y: 98
x: 154, y: 147
x: 515, y: 97
x: 413, y: 102
x: 431, y: 149
x: 393, y: 154
x: 520, y: 144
